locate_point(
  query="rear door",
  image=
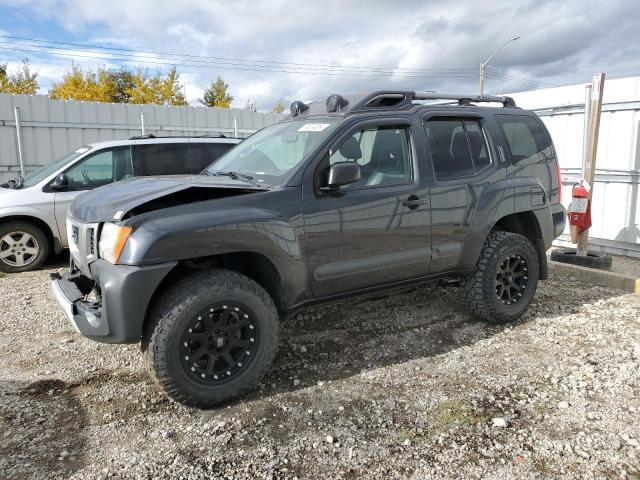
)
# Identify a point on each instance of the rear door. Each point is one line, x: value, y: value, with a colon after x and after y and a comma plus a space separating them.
x: 464, y: 166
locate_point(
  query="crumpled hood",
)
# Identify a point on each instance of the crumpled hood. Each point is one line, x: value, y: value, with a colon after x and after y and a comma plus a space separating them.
x: 115, y: 201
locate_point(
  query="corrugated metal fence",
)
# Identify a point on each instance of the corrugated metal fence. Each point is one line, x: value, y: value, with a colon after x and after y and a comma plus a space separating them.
x: 50, y: 129
x: 616, y: 207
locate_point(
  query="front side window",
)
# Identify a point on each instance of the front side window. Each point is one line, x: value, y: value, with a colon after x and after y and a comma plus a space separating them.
x: 43, y: 172
x: 101, y: 168
x: 525, y: 137
x: 458, y: 147
x: 383, y: 153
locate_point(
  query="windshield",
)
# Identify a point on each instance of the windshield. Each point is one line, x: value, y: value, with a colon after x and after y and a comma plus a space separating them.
x: 43, y: 172
x: 270, y: 154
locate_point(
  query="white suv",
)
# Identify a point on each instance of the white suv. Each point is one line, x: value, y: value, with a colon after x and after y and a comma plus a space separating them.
x: 33, y: 210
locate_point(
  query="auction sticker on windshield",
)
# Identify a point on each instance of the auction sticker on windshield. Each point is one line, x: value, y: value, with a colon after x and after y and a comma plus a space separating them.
x: 313, y: 127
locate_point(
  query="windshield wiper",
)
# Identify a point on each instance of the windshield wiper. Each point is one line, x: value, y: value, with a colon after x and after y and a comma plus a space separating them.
x: 236, y: 176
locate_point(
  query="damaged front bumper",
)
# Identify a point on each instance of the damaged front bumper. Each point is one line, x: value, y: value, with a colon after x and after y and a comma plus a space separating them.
x: 118, y: 312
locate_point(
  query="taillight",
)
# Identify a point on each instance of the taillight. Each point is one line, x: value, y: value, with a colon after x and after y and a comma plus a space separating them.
x: 559, y: 178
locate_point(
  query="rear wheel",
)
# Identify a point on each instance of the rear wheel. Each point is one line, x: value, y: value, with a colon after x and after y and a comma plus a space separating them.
x: 504, y: 279
x: 23, y: 247
x: 212, y: 338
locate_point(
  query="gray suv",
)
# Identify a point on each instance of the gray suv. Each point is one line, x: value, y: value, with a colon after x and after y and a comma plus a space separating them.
x: 33, y: 210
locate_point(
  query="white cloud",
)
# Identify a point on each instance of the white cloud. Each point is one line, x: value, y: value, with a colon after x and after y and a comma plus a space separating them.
x: 561, y: 42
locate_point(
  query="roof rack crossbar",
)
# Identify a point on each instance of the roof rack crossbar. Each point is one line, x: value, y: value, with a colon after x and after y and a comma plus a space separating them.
x: 466, y: 99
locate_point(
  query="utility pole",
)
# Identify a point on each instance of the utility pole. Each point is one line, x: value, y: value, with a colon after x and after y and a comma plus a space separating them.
x: 484, y: 64
x: 592, y: 150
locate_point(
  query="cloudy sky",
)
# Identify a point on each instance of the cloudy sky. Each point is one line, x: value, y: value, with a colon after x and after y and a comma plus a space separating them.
x: 274, y: 50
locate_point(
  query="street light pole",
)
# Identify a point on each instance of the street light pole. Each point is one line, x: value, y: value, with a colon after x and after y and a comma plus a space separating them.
x: 483, y: 64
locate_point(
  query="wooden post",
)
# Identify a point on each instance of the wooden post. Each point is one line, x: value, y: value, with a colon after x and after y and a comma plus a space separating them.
x: 592, y: 150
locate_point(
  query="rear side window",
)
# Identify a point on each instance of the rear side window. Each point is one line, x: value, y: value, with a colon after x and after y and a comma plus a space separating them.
x: 457, y: 146
x: 164, y: 159
x: 526, y: 138
x: 199, y: 155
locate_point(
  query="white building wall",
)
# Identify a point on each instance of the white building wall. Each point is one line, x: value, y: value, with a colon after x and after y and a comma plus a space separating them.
x: 616, y: 207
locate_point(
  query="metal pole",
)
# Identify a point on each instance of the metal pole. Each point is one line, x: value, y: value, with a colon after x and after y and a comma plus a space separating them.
x: 16, y: 112
x: 235, y: 127
x: 500, y: 76
x: 481, y: 79
x: 585, y: 131
x: 142, y: 123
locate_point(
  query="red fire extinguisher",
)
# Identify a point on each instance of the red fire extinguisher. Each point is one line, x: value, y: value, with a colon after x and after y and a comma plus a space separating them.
x: 580, y: 210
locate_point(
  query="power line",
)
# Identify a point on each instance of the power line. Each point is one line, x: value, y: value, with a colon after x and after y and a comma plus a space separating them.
x: 248, y: 67
x: 496, y: 71
x: 225, y: 60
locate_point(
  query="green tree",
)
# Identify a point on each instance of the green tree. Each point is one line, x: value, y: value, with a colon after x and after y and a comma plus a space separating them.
x: 24, y: 81
x: 217, y: 95
x: 278, y: 107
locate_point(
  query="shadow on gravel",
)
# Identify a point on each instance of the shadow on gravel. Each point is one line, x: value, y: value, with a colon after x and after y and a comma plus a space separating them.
x: 42, y: 429
x: 338, y: 341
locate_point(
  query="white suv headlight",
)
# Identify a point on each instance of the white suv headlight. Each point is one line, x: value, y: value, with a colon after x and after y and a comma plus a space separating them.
x: 112, y: 241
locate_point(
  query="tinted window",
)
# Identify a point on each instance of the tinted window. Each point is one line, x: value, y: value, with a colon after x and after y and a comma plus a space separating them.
x: 479, y: 150
x: 383, y: 154
x: 164, y: 159
x: 449, y: 149
x: 101, y: 168
x: 458, y: 148
x: 525, y: 137
x: 199, y: 157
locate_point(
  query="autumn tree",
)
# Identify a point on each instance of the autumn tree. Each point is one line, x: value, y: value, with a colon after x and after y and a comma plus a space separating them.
x: 156, y: 89
x: 24, y: 81
x: 217, y: 95
x: 278, y: 107
x: 78, y: 84
x: 119, y: 86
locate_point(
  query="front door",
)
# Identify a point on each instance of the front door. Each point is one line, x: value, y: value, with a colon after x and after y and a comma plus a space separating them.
x: 375, y: 231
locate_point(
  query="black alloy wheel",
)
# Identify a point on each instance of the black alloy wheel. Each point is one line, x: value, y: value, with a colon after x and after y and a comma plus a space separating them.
x: 219, y: 343
x: 511, y: 279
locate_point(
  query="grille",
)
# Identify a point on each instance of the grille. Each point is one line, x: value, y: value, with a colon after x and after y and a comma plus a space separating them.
x: 82, y: 244
x: 75, y: 234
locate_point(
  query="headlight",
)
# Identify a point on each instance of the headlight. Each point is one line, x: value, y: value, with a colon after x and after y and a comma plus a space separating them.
x: 112, y: 241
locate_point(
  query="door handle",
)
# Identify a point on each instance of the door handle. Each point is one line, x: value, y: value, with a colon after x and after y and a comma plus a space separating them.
x: 414, y: 202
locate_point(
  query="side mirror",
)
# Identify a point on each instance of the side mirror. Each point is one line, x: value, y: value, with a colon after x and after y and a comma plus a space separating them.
x: 340, y: 174
x: 60, y: 182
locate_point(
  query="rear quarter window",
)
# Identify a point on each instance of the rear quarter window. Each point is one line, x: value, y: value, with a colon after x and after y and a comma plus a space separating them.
x: 526, y: 138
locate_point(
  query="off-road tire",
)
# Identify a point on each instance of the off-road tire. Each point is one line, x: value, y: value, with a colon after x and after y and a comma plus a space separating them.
x: 480, y: 287
x: 174, y: 312
x: 39, y: 236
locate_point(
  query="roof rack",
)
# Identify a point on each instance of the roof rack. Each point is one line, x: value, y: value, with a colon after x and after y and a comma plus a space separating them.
x: 466, y: 99
x: 151, y: 135
x: 389, y: 100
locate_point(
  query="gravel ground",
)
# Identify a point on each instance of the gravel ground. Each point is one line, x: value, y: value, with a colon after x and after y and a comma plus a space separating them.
x: 399, y: 386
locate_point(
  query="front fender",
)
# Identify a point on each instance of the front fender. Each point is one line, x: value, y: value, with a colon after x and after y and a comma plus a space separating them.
x: 201, y: 232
